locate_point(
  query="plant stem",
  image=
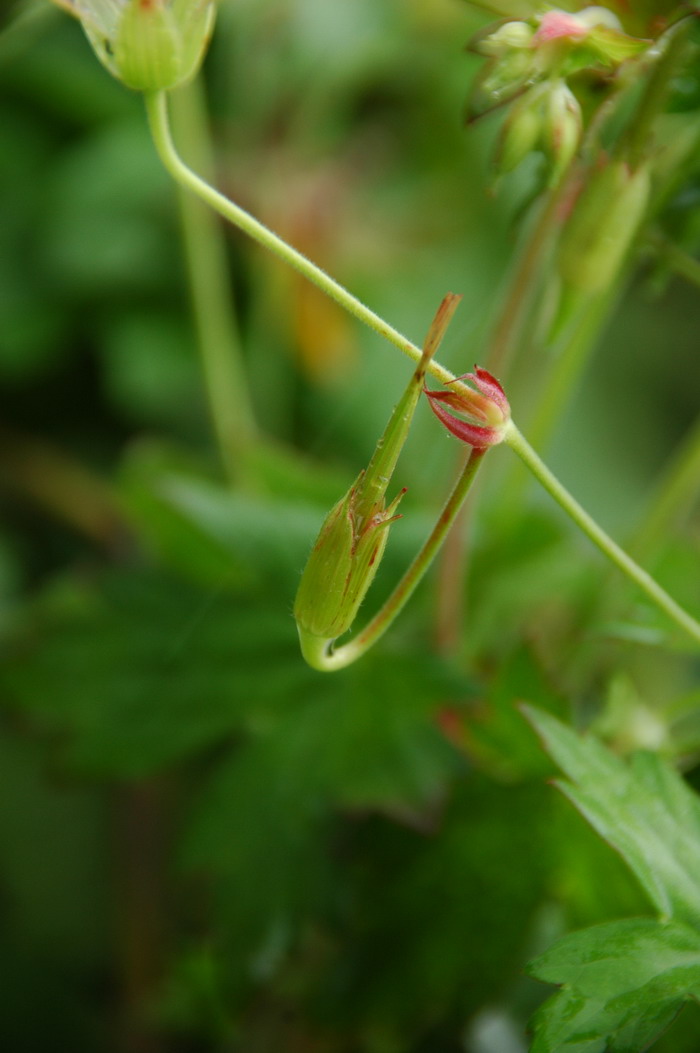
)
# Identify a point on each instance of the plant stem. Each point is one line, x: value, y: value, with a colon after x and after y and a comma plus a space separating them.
x: 638, y: 139
x: 598, y: 536
x: 680, y: 262
x: 224, y: 375
x: 521, y: 289
x: 157, y: 109
x: 571, y: 361
x: 319, y: 653
x: 675, y: 496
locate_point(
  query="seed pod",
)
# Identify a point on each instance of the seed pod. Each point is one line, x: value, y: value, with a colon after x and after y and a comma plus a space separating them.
x: 342, y: 565
x: 351, y: 542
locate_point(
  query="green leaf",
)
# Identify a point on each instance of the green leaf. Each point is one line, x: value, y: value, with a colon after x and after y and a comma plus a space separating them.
x: 624, y: 982
x: 134, y: 672
x: 366, y: 740
x: 642, y: 808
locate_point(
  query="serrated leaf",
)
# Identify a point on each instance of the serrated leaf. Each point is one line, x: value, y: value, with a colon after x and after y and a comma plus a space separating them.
x: 642, y: 808
x: 624, y: 982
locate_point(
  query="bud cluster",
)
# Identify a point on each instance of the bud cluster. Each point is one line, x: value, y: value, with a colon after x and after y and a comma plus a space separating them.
x: 530, y: 64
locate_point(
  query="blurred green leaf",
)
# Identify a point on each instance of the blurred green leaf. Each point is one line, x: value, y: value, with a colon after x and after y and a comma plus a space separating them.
x: 623, y: 983
x: 643, y: 809
x: 138, y: 671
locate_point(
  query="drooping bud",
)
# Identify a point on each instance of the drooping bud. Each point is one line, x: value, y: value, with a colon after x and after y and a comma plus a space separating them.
x: 521, y: 131
x: 150, y: 45
x: 351, y: 543
x: 485, y: 412
x: 561, y: 128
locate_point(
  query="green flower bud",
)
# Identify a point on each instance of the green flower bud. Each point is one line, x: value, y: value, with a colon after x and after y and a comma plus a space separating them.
x: 150, y: 45
x: 561, y: 128
x: 521, y: 130
x: 508, y: 36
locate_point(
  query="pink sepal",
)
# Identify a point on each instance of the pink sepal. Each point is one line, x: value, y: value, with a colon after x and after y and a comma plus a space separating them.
x: 477, y: 435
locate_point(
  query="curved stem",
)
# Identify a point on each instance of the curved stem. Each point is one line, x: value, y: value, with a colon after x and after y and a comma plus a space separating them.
x: 597, y: 535
x: 157, y: 109
x: 319, y: 653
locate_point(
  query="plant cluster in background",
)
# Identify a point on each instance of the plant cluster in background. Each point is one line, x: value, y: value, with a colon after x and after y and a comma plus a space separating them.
x: 205, y: 844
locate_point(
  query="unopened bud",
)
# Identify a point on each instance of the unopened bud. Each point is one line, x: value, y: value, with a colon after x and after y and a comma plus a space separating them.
x: 508, y: 36
x: 521, y: 130
x: 484, y: 414
x: 150, y: 45
x: 561, y: 128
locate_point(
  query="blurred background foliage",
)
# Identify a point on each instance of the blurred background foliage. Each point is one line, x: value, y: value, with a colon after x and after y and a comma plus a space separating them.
x: 204, y: 845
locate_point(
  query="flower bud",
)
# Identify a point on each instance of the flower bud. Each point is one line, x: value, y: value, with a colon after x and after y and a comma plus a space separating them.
x: 150, y: 45
x: 561, y: 128
x: 521, y: 130
x: 508, y: 35
x: 351, y: 543
x: 488, y: 406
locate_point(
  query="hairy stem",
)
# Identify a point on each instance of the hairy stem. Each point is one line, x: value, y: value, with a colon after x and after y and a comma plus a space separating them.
x: 320, y: 654
x: 157, y: 109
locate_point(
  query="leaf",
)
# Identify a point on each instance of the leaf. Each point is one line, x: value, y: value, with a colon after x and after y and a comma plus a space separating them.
x: 643, y: 809
x: 624, y: 982
x: 136, y: 671
x: 364, y: 740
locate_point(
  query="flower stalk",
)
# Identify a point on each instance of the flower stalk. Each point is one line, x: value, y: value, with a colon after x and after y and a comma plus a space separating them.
x: 598, y: 536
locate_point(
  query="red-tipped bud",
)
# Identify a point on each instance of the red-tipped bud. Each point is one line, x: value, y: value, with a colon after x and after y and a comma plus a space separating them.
x: 485, y: 412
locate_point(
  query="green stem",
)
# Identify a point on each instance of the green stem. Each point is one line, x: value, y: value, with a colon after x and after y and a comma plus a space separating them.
x: 569, y: 364
x: 224, y: 375
x: 521, y: 289
x: 635, y: 146
x: 675, y: 497
x: 598, y: 536
x: 681, y: 262
x: 157, y: 108
x: 319, y: 653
